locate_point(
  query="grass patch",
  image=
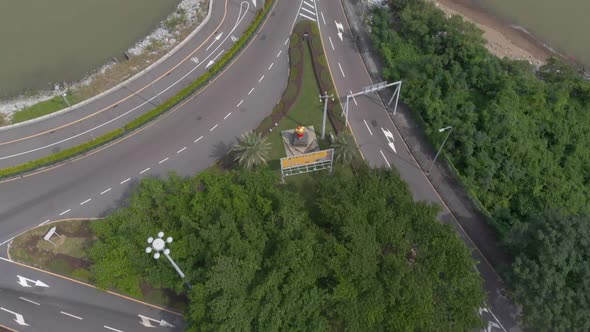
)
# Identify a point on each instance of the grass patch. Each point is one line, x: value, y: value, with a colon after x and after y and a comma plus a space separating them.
x: 70, y: 257
x: 45, y: 107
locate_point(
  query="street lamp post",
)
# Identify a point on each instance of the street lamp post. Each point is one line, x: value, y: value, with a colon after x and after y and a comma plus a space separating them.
x: 159, y: 245
x: 325, y: 97
x: 65, y: 97
x: 449, y: 128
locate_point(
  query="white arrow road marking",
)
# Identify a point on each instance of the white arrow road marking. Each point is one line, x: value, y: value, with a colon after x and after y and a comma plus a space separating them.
x: 340, y: 29
x: 233, y: 39
x: 390, y: 139
x: 482, y: 310
x: 20, y: 320
x: 217, y: 38
x: 211, y: 62
x: 491, y: 325
x: 195, y: 60
x: 25, y: 282
x: 254, y: 2
x: 146, y: 321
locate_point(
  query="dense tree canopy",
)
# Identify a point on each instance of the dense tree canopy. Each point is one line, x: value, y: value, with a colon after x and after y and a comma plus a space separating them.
x: 348, y: 252
x: 551, y: 274
x: 520, y: 137
x: 520, y: 142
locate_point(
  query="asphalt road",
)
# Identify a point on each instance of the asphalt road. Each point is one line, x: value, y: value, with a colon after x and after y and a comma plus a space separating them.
x: 229, y: 19
x: 194, y: 135
x: 382, y: 146
x: 62, y: 305
x: 186, y: 140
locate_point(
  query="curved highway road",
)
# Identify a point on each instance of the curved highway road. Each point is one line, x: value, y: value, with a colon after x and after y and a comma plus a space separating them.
x: 187, y: 139
x: 229, y: 19
x: 195, y: 134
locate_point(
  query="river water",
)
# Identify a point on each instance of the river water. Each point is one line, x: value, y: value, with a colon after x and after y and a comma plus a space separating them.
x: 47, y: 41
x: 561, y: 24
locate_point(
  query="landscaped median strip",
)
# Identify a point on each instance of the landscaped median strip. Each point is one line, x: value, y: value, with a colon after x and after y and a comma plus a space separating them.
x: 151, y: 115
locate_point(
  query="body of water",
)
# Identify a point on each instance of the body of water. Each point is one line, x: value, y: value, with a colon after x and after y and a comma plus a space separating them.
x: 561, y: 24
x: 63, y: 40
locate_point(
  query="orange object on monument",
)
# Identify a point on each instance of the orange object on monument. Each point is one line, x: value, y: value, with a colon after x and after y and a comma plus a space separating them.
x: 300, y: 131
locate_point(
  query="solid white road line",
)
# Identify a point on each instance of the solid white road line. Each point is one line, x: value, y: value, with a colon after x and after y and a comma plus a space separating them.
x: 66, y: 211
x: 388, y: 165
x: 249, y: 93
x: 323, y: 19
x: 5, y: 259
x: 112, y: 329
x: 180, y: 151
x: 145, y: 170
x: 106, y: 191
x: 272, y: 64
x: 342, y: 71
x: 307, y: 17
x: 86, y: 201
x: 261, y: 78
x: 240, y: 103
x: 198, y: 139
x: 212, y: 128
x: 73, y: 316
x: 227, y: 116
x: 369, y: 129
x: 279, y: 54
x: 331, y: 44
x: 126, y: 180
x: 163, y: 160
x: 27, y: 300
x: 46, y: 221
x: 218, y: 55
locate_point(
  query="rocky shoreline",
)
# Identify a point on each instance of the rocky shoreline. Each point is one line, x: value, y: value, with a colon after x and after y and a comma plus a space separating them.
x: 170, y: 32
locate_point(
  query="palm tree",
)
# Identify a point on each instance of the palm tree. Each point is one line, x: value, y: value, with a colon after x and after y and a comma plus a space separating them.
x: 344, y: 149
x: 252, y: 150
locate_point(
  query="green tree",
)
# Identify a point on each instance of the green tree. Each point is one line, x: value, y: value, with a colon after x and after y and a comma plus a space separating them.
x: 362, y: 256
x: 551, y: 273
x: 392, y: 266
x: 252, y: 150
x: 345, y: 150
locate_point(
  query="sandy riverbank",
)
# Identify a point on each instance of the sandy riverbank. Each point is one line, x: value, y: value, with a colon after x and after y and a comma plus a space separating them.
x: 503, y: 39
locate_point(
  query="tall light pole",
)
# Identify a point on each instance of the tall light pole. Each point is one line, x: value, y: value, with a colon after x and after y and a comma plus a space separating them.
x: 65, y: 97
x: 325, y: 97
x: 159, y: 245
x: 449, y: 128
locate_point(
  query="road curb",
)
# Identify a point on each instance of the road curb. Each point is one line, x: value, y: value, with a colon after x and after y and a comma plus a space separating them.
x: 118, y: 86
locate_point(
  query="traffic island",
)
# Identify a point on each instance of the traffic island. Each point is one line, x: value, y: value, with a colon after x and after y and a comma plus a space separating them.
x: 63, y: 248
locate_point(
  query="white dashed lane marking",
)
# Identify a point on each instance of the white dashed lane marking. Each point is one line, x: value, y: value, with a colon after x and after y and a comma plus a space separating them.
x: 272, y: 64
x: 86, y: 201
x: 30, y: 301
x: 369, y: 129
x: 252, y: 90
x: 70, y: 315
x: 66, y: 211
x: 387, y: 162
x: 106, y: 191
x: 342, y: 71
x: 240, y: 103
x: 180, y: 151
x: 198, y: 139
x: 212, y: 128
x: 145, y: 170
x: 163, y: 160
x: 228, y: 114
x: 279, y: 54
x: 261, y: 78
x: 125, y: 181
